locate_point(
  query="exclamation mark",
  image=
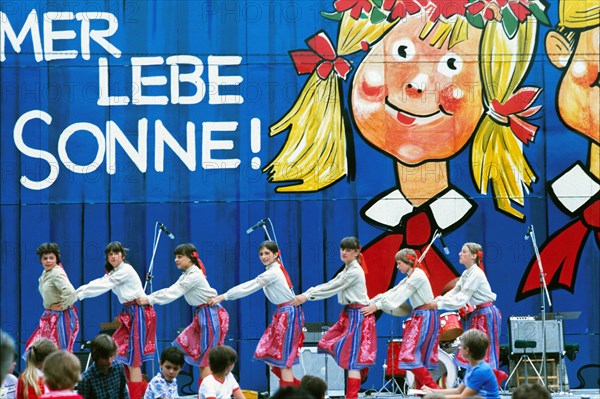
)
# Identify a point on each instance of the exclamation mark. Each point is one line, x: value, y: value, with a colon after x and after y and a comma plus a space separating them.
x: 255, y: 141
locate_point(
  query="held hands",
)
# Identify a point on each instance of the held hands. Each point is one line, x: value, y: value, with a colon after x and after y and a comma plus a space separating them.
x: 298, y: 300
x: 367, y: 310
x: 142, y: 301
x: 57, y: 307
x: 215, y: 300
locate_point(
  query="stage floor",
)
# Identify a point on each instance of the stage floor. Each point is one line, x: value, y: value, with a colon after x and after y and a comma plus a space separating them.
x: 572, y: 394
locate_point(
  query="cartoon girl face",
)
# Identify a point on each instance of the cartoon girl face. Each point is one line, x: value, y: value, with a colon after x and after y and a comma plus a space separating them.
x: 579, y: 91
x: 414, y: 101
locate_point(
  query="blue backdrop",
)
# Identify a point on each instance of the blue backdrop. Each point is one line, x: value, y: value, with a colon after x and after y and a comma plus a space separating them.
x: 119, y: 114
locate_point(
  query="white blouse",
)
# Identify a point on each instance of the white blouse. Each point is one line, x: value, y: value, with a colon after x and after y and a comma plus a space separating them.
x: 472, y: 288
x: 415, y: 288
x: 350, y: 286
x: 54, y: 286
x: 273, y: 283
x: 123, y: 280
x: 192, y: 285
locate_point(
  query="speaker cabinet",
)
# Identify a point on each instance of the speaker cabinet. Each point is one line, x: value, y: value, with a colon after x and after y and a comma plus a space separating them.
x: 529, y: 329
x: 317, y: 364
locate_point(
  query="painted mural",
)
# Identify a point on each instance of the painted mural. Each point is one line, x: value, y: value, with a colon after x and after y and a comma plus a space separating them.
x: 407, y: 123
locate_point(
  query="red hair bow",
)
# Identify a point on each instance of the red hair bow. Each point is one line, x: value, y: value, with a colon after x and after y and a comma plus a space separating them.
x: 321, y: 56
x: 518, y: 106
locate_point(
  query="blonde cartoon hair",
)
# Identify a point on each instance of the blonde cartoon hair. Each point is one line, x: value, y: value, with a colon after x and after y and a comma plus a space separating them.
x: 314, y: 154
x: 497, y: 153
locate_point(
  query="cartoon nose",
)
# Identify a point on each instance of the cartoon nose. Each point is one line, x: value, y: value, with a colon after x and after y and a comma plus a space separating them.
x: 415, y: 87
x: 413, y: 90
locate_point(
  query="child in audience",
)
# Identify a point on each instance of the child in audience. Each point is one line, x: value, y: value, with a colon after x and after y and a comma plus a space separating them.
x: 31, y: 381
x: 164, y: 384
x: 61, y: 372
x: 479, y: 378
x: 221, y: 384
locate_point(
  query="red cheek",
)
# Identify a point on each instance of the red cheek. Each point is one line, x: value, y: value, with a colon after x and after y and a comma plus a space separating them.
x: 375, y: 93
x: 589, y: 77
x: 448, y: 101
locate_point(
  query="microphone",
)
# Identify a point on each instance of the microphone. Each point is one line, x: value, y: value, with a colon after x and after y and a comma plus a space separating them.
x: 446, y: 250
x: 258, y: 224
x: 167, y: 232
x: 529, y: 230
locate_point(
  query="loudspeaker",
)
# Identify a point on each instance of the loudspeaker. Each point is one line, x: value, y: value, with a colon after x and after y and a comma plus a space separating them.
x: 318, y: 364
x: 529, y: 329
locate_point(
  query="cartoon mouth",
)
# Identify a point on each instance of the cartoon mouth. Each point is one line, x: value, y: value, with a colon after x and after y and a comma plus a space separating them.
x: 597, y: 82
x: 407, y: 118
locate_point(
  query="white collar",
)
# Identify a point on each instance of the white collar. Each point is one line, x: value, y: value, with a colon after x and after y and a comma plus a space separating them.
x: 574, y: 188
x: 390, y: 207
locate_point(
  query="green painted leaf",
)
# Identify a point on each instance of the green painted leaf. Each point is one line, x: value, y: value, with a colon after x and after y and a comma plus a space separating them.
x: 377, y: 16
x: 539, y: 12
x: 510, y: 22
x: 475, y: 20
x: 334, y: 16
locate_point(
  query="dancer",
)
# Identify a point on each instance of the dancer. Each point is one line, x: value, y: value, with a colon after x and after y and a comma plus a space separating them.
x: 352, y: 340
x: 281, y: 341
x: 474, y: 289
x: 59, y: 322
x: 210, y: 324
x: 419, y: 348
x: 136, y: 335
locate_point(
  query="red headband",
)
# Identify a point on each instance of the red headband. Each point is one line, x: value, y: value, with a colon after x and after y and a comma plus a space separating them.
x: 200, y: 264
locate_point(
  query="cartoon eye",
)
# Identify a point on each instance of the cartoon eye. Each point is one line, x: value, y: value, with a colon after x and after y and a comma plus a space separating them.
x: 450, y: 64
x: 403, y: 50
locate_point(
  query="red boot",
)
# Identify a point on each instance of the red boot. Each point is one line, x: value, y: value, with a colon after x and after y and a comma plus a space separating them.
x: 137, y: 389
x: 422, y: 377
x: 352, y: 388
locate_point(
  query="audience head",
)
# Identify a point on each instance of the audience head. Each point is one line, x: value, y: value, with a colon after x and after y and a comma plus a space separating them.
x: 104, y: 350
x: 171, y: 362
x: 39, y: 351
x: 220, y: 358
x: 61, y: 370
x: 314, y: 386
x: 291, y: 393
x: 531, y: 391
x: 476, y: 342
x: 7, y: 354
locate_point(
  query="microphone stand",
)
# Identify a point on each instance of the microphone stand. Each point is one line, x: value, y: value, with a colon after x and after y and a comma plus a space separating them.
x: 543, y: 290
x: 149, y: 275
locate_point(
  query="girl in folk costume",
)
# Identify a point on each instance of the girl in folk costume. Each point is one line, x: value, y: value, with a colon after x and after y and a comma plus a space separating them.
x: 31, y: 381
x: 59, y: 322
x: 279, y: 345
x: 136, y: 335
x: 210, y: 324
x: 437, y: 74
x: 419, y: 349
x: 474, y: 289
x: 352, y: 340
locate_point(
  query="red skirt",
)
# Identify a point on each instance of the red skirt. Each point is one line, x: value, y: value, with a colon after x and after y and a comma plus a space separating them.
x: 206, y: 331
x: 60, y: 327
x: 136, y: 336
x: 352, y: 340
x: 280, y: 344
